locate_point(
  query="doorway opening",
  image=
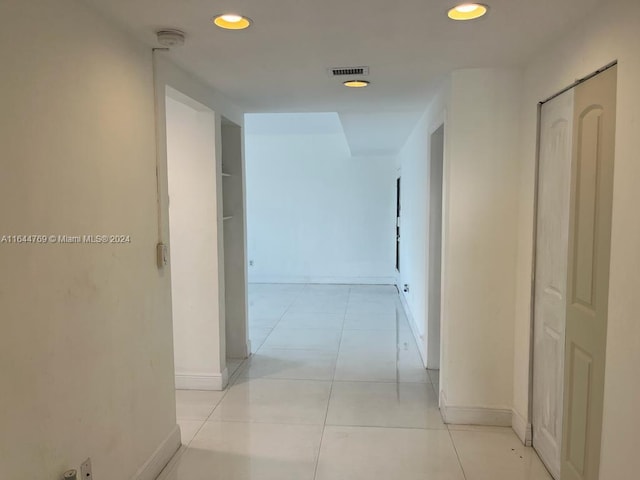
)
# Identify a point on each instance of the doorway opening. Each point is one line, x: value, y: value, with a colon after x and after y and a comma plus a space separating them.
x: 434, y: 267
x: 398, y: 225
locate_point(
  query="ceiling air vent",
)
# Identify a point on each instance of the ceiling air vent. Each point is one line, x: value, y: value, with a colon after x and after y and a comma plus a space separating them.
x: 348, y: 71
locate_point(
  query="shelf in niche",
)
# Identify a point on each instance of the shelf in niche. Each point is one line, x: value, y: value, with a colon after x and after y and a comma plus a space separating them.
x: 228, y: 217
x: 226, y: 174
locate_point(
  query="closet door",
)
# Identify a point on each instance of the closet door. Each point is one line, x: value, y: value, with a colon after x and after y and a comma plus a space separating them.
x: 550, y: 301
x: 588, y: 274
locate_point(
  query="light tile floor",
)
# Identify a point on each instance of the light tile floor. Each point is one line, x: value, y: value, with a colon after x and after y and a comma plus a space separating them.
x: 335, y: 391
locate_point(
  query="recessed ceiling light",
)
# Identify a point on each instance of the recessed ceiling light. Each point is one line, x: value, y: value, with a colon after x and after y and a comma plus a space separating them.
x: 232, y: 21
x: 468, y: 11
x: 356, y: 83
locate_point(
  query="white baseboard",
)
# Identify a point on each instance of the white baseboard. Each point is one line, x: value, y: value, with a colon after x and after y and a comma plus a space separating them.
x: 202, y: 382
x: 323, y: 280
x: 458, y: 415
x: 522, y: 428
x: 496, y: 417
x: 161, y: 457
x: 414, y: 329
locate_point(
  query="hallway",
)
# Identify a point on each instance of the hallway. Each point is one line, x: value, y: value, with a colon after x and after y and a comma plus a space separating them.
x: 335, y: 391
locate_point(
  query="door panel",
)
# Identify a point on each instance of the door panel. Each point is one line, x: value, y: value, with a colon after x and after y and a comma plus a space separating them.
x: 589, y: 252
x: 586, y: 202
x: 580, y: 364
x: 554, y: 181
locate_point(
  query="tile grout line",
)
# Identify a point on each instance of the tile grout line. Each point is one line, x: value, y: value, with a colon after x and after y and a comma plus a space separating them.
x: 335, y: 367
x: 455, y: 449
x: 286, y: 310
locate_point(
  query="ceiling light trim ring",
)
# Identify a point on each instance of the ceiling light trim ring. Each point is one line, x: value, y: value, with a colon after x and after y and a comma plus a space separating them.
x: 468, y: 11
x: 243, y: 22
x: 356, y: 83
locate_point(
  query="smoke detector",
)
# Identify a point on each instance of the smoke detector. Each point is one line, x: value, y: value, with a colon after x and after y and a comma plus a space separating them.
x: 170, y: 38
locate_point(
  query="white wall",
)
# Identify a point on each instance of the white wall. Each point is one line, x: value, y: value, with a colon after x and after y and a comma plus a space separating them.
x: 413, y: 162
x: 480, y: 242
x: 314, y: 212
x: 86, y: 351
x: 479, y: 108
x: 86, y: 355
x: 611, y: 32
x: 191, y: 164
x: 191, y: 91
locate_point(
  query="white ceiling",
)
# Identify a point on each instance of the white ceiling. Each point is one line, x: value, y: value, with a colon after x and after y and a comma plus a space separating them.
x: 377, y: 134
x: 279, y: 64
x: 325, y: 123
x: 359, y: 138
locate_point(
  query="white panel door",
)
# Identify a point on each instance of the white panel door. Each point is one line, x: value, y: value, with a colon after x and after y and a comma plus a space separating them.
x: 550, y: 299
x: 588, y: 279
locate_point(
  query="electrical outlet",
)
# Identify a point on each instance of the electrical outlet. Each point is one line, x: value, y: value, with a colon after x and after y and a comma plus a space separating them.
x: 251, y: 263
x: 85, y: 470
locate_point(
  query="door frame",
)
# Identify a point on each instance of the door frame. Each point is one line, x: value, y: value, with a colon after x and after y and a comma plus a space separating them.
x: 433, y: 325
x: 398, y: 213
x: 528, y: 434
